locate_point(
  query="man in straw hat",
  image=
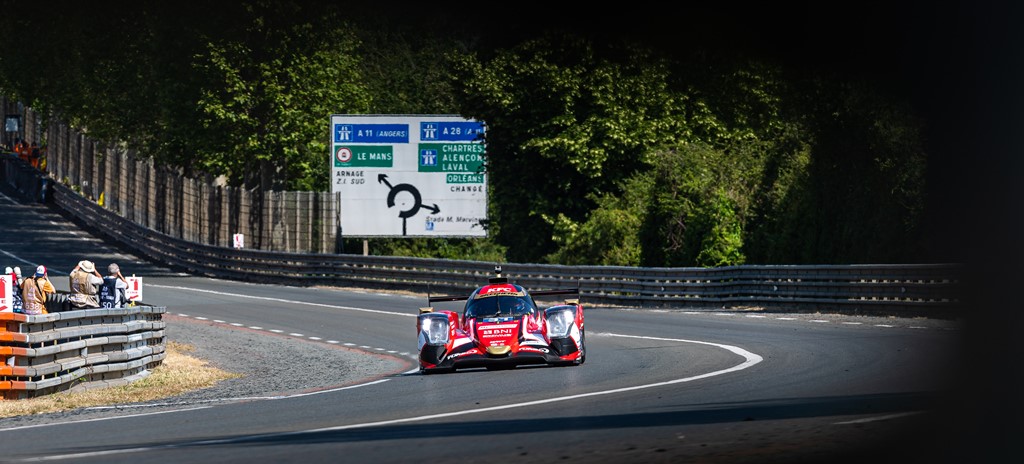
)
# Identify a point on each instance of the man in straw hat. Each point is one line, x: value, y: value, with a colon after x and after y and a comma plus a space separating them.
x: 85, y: 282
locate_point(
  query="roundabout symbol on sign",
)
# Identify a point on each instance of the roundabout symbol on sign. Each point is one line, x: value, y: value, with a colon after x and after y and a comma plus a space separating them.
x: 343, y: 154
x: 417, y: 202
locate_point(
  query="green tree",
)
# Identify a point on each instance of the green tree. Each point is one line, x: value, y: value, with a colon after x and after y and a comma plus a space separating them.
x: 697, y: 207
x: 268, y: 89
x: 853, y: 189
x: 608, y: 236
x: 690, y: 202
x: 598, y: 152
x: 117, y: 70
x: 564, y: 125
x: 772, y: 232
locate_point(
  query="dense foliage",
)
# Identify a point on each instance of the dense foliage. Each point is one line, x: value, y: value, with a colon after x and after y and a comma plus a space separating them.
x: 598, y: 151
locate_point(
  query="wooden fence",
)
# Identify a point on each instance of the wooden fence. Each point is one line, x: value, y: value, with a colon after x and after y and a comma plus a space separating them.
x: 196, y: 210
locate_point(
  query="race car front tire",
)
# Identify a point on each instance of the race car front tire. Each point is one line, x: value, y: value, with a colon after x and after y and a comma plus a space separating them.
x: 437, y: 370
x: 583, y: 348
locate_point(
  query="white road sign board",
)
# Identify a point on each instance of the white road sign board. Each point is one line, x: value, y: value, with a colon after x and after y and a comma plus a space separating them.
x: 409, y: 175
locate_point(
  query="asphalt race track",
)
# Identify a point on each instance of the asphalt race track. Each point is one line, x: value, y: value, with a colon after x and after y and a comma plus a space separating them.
x: 658, y: 385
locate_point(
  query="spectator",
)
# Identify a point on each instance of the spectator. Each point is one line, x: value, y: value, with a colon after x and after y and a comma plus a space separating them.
x: 34, y: 292
x: 85, y: 282
x: 16, y: 304
x: 22, y: 148
x: 33, y: 155
x: 113, y: 291
x: 14, y: 284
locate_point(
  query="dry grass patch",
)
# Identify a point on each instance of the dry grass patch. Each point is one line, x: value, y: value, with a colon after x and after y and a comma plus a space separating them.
x: 179, y: 373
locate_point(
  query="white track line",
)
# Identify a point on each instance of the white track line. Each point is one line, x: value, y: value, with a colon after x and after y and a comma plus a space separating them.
x: 282, y: 300
x: 750, y: 359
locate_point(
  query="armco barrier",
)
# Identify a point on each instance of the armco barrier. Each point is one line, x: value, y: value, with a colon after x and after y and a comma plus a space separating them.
x: 76, y: 350
x: 902, y: 289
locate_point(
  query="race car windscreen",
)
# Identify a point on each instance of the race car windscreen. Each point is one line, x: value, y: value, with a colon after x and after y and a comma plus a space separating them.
x: 499, y: 306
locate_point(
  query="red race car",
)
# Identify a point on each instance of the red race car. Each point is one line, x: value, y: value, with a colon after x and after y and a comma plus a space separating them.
x: 501, y: 327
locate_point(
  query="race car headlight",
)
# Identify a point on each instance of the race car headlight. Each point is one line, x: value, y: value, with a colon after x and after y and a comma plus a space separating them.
x: 434, y: 329
x: 560, y: 322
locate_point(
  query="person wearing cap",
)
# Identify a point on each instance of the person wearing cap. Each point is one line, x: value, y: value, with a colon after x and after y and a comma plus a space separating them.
x: 34, y: 292
x: 85, y: 282
x: 113, y: 291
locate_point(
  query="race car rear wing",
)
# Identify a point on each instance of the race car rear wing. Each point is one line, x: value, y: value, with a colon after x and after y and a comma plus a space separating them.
x: 434, y: 299
x: 573, y: 301
x: 576, y: 291
x: 498, y: 278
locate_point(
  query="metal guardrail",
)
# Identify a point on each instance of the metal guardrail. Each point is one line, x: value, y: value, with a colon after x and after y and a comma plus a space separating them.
x: 77, y: 350
x: 904, y: 289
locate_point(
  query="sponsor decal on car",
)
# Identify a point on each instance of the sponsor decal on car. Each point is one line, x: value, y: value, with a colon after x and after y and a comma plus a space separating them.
x: 499, y: 332
x: 500, y: 326
x: 499, y: 290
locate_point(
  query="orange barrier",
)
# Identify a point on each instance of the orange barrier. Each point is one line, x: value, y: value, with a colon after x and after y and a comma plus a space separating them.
x: 77, y: 350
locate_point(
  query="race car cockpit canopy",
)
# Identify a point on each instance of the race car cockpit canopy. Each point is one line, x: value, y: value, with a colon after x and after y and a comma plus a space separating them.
x: 499, y: 300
